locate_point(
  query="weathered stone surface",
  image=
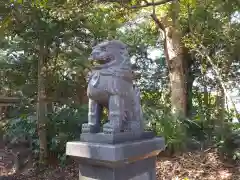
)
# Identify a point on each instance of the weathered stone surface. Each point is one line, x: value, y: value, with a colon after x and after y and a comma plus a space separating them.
x: 141, y: 170
x: 110, y: 85
x: 128, y: 161
x: 114, y: 153
x: 115, y: 138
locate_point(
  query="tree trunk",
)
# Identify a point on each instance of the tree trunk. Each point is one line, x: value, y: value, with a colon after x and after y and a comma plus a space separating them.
x: 220, y: 106
x: 177, y: 80
x: 206, y: 100
x: 175, y: 54
x: 42, y: 105
x: 81, y: 94
x: 178, y: 60
x: 190, y: 79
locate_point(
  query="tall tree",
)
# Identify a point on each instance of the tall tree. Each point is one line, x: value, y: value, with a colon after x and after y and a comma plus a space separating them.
x: 56, y: 38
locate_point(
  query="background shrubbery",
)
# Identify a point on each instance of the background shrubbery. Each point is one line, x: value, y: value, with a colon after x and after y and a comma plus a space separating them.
x: 44, y: 47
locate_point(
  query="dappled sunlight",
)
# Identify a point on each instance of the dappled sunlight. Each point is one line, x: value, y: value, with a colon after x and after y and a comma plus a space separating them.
x: 224, y: 174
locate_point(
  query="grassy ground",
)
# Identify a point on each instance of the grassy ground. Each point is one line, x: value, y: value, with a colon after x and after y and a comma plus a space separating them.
x: 205, y: 165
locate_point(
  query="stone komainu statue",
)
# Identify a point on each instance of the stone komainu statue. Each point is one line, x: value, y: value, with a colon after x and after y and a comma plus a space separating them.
x: 110, y: 85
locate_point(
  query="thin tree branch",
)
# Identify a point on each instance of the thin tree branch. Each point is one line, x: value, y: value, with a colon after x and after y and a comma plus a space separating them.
x: 161, y: 26
x: 157, y: 21
x: 151, y: 4
x: 154, y: 7
x: 147, y: 4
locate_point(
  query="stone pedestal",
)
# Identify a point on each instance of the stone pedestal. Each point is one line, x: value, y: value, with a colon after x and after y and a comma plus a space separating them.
x: 122, y: 161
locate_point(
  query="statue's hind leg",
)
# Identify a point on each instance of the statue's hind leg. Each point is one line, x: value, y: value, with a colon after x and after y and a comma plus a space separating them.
x: 115, y: 115
x: 94, y: 117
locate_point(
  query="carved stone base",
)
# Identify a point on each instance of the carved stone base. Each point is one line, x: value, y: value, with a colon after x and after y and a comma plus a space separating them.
x: 141, y: 170
x: 125, y: 161
x: 115, y: 138
x: 87, y: 128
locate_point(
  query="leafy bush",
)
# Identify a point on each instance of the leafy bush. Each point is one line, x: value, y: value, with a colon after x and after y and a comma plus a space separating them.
x: 228, y: 142
x: 64, y: 125
x: 180, y: 133
x: 170, y: 127
x: 23, y: 126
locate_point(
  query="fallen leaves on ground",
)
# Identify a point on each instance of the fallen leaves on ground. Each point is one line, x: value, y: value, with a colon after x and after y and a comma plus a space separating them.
x: 196, y: 166
x: 188, y: 166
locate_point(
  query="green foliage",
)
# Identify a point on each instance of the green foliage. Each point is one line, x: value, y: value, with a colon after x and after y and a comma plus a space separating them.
x: 174, y: 130
x: 156, y: 111
x: 170, y: 127
x: 64, y: 125
x: 198, y: 132
x: 23, y: 126
x: 228, y: 141
x: 69, y: 29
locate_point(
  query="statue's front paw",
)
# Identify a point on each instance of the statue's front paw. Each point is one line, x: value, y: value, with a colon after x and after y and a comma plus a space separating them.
x: 89, y: 128
x: 109, y: 128
x: 85, y: 128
